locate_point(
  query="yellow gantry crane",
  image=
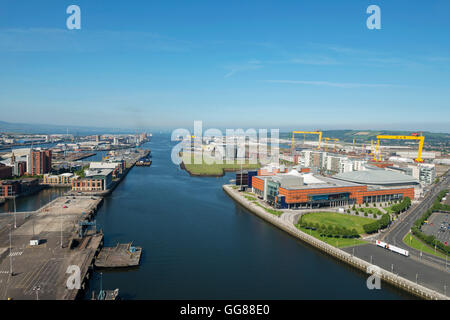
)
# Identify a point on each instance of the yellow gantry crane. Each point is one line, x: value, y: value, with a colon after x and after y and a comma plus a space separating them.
x: 377, y: 151
x: 306, y: 132
x: 414, y: 136
x: 328, y: 139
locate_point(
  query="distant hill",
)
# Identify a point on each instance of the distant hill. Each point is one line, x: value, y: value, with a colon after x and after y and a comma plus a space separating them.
x: 9, y: 127
x: 364, y: 136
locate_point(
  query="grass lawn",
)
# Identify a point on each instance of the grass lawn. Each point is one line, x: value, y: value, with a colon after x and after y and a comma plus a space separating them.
x: 335, y: 242
x: 371, y: 210
x: 415, y: 243
x: 216, y: 169
x: 338, y: 219
x: 272, y: 211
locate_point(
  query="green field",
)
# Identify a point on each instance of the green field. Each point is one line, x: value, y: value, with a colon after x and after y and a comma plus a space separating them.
x: 205, y: 169
x: 337, y: 219
x: 335, y: 242
x: 415, y: 243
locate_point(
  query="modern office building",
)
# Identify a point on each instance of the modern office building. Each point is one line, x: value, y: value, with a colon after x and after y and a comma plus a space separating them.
x: 95, y: 180
x: 307, y: 190
x: 427, y: 173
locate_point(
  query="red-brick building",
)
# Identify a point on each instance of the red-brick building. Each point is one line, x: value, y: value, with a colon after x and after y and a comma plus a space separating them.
x: 41, y: 162
x: 9, y: 188
x: 5, y: 171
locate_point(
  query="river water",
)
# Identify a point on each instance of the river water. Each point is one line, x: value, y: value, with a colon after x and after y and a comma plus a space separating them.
x: 199, y: 244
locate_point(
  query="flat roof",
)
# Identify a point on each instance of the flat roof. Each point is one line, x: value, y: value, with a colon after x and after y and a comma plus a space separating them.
x: 98, y: 172
x: 312, y: 181
x: 376, y: 177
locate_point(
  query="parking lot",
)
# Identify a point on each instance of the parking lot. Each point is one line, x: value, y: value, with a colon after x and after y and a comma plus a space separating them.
x: 438, y: 226
x: 43, y: 265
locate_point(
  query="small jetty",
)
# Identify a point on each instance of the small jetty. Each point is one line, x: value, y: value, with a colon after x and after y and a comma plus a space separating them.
x: 121, y: 256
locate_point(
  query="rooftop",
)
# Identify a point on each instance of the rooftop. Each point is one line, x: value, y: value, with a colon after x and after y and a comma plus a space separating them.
x: 376, y: 177
x: 97, y: 172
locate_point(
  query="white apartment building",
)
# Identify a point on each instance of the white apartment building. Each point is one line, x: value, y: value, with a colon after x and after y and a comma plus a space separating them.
x: 424, y: 172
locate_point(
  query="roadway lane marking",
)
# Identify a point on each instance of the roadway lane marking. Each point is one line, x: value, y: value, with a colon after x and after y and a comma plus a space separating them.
x: 15, y: 254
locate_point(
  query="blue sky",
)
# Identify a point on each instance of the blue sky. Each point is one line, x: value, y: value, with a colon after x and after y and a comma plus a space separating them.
x: 262, y: 64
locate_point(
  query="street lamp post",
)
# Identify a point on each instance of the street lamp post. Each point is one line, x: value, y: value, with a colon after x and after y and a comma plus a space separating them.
x: 10, y: 252
x: 61, y: 232
x: 15, y: 219
x: 37, y: 288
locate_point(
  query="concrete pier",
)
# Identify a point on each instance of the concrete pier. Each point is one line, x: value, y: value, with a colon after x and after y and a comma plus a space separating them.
x: 40, y: 271
x: 120, y: 256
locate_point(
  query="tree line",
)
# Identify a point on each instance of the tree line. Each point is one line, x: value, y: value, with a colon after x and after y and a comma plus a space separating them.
x: 330, y: 230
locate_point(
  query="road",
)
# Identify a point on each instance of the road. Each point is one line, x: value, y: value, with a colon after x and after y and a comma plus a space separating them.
x: 398, y: 231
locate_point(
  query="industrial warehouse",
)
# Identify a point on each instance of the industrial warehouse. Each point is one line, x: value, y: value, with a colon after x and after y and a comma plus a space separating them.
x: 299, y: 188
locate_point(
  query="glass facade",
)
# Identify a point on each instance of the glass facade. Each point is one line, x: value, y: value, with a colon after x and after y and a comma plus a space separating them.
x: 383, y: 198
x: 272, y: 191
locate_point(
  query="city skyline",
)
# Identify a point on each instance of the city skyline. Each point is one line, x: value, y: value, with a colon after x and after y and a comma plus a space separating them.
x: 259, y: 64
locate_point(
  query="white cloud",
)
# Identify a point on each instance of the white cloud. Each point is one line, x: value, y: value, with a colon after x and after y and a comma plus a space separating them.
x: 57, y: 40
x: 333, y: 84
x: 250, y: 65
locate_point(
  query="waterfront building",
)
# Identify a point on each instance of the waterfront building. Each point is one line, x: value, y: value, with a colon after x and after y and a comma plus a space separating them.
x: 9, y: 188
x: 95, y: 180
x: 117, y: 166
x: 307, y: 190
x: 5, y: 171
x: 61, y: 179
x: 12, y: 188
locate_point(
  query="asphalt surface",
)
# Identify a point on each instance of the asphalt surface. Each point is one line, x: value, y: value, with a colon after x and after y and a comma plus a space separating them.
x: 398, y: 231
x: 426, y: 269
x: 438, y: 226
x: 406, y: 267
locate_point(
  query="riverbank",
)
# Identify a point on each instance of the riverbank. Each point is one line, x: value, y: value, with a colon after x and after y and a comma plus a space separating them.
x: 389, y: 277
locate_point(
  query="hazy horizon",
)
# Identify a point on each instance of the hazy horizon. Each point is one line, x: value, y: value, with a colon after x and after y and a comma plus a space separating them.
x: 80, y: 127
